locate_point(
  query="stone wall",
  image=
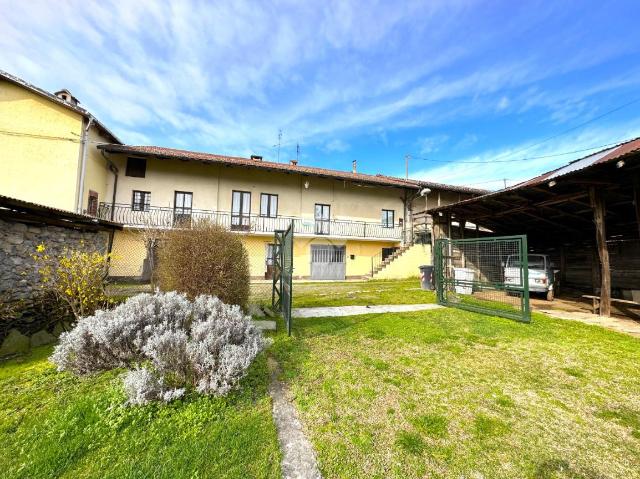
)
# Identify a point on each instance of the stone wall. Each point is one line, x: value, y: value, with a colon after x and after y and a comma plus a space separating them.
x: 20, y: 280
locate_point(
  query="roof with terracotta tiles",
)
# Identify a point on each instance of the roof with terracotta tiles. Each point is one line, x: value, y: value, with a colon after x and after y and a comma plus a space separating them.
x: 382, y: 180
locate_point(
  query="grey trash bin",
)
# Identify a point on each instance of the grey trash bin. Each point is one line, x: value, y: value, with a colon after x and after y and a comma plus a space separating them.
x: 426, y: 276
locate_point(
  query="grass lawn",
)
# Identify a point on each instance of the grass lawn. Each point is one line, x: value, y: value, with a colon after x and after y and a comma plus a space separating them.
x: 57, y: 425
x: 454, y: 394
x: 307, y: 295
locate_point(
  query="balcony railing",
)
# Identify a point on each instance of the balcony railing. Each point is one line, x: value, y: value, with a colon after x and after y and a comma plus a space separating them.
x: 163, y: 217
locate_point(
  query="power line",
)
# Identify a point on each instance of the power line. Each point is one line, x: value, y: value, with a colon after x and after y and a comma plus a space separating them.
x: 38, y: 136
x: 568, y: 130
x: 522, y: 150
x: 606, y: 145
x: 48, y: 137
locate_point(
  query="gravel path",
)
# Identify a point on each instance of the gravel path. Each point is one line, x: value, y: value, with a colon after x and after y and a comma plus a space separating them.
x: 356, y: 310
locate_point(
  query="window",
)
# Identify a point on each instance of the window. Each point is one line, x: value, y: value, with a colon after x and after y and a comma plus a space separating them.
x: 240, y: 210
x: 270, y: 249
x: 322, y: 217
x: 388, y: 218
x: 92, y: 203
x: 268, y: 205
x: 183, y: 203
x: 136, y: 167
x: 141, y: 200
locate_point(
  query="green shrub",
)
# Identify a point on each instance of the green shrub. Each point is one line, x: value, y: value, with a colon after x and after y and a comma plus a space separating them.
x: 75, y: 276
x: 204, y: 259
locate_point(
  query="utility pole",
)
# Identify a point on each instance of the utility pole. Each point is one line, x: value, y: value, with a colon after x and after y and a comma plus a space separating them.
x: 297, y: 152
x: 406, y: 166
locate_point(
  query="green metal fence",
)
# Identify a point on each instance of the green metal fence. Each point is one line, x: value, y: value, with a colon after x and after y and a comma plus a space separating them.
x: 282, y: 292
x: 485, y: 275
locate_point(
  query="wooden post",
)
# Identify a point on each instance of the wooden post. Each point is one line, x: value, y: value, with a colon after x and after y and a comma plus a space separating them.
x: 636, y: 199
x: 595, y: 274
x: 563, y: 265
x: 436, y: 229
x: 462, y: 225
x: 597, y: 204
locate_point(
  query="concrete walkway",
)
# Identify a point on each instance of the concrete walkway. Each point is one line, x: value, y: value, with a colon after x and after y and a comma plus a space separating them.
x: 627, y: 326
x: 265, y: 325
x: 357, y: 310
x: 298, y: 456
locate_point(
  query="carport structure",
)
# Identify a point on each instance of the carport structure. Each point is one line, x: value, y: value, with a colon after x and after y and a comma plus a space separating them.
x: 586, y: 215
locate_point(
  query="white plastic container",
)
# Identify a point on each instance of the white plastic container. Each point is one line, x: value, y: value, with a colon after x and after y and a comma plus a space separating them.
x: 464, y: 274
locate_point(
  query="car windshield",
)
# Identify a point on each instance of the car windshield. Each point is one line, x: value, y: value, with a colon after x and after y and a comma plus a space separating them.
x: 536, y: 261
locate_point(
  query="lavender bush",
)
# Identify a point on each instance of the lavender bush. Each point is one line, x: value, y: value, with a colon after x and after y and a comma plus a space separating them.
x: 169, y: 344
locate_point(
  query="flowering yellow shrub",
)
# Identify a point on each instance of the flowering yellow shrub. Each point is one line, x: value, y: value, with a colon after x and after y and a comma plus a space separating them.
x: 75, y: 276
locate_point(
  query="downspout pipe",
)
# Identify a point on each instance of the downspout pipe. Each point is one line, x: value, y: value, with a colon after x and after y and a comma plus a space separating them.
x: 114, y: 169
x: 83, y: 164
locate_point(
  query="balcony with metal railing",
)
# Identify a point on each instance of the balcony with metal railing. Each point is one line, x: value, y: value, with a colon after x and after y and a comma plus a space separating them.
x: 166, y: 217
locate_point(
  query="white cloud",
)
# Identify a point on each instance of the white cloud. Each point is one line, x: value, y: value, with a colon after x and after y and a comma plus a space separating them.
x: 480, y: 171
x: 503, y: 104
x: 468, y: 140
x: 336, y: 145
x: 431, y: 144
x: 225, y: 78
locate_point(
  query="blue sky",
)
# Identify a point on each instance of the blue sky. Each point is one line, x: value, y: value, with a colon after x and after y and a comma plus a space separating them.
x: 460, y: 83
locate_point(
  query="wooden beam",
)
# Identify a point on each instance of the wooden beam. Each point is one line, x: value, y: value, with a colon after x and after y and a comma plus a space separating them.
x: 599, y: 211
x: 561, y: 226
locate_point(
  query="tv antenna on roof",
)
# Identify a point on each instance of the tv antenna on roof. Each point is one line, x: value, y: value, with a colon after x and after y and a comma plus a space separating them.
x: 297, y: 152
x: 279, y: 142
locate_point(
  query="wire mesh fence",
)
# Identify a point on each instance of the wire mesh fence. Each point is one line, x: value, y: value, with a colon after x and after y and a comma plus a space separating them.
x: 131, y: 266
x: 485, y: 275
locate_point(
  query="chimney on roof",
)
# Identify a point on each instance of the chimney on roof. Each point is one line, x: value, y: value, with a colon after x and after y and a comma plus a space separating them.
x: 256, y: 157
x: 65, y: 95
x: 353, y: 166
x: 294, y: 162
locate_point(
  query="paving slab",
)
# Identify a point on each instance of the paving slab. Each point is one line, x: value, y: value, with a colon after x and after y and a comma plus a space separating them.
x: 627, y: 326
x: 326, y: 312
x: 298, y: 456
x: 265, y: 325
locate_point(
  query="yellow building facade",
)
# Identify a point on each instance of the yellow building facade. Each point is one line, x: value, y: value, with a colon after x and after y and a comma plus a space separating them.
x: 55, y: 153
x: 48, y: 149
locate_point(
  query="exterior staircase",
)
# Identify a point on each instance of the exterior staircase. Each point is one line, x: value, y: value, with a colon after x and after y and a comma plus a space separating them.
x: 382, y: 264
x: 402, y: 263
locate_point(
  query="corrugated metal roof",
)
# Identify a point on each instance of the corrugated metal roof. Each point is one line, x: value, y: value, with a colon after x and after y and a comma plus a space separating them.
x: 15, y: 204
x: 605, y: 156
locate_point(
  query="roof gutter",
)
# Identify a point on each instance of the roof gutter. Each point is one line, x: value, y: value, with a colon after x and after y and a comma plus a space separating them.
x: 83, y: 164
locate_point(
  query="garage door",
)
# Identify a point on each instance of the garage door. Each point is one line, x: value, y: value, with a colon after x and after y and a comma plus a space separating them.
x: 327, y: 262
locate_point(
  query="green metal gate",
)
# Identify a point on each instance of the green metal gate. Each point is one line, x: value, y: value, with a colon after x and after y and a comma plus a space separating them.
x: 282, y: 292
x: 485, y: 275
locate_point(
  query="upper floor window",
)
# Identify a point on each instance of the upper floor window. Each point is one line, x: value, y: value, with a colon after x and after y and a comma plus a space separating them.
x: 240, y: 210
x: 92, y: 203
x: 141, y: 200
x: 388, y: 218
x: 323, y: 218
x: 136, y: 167
x: 183, y: 204
x: 268, y: 205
